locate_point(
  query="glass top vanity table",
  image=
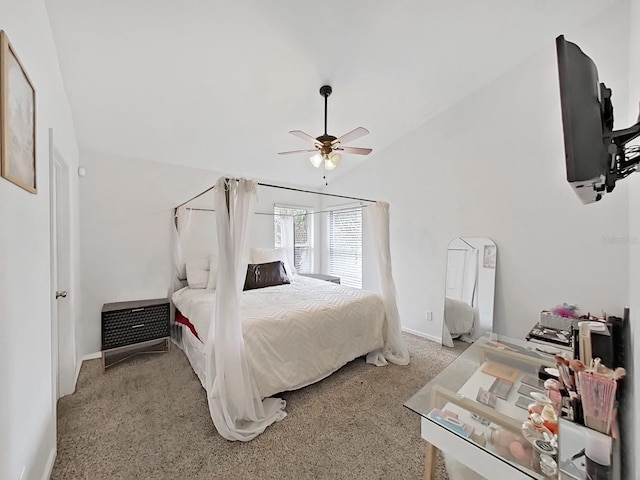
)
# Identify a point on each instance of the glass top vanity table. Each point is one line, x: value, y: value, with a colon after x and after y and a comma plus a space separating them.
x: 476, y: 428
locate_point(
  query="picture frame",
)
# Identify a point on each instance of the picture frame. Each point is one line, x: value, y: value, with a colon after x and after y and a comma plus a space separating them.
x: 17, y: 120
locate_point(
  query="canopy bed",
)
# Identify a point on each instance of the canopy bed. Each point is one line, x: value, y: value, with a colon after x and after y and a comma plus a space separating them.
x: 251, y: 327
x: 295, y: 333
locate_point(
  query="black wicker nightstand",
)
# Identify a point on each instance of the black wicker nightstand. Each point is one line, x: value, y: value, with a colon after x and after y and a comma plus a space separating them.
x: 129, y: 328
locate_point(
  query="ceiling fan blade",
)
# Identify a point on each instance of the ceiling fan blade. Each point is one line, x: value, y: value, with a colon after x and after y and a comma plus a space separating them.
x: 352, y: 135
x: 356, y: 150
x: 298, y: 151
x: 304, y: 136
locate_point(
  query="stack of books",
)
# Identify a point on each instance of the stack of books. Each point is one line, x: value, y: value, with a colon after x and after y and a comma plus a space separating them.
x: 551, y: 339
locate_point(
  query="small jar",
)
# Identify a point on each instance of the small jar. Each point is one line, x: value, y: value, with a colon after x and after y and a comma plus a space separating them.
x: 548, y: 466
x: 535, y: 407
x: 541, y: 447
x: 550, y: 418
x: 534, y: 429
x: 537, y: 421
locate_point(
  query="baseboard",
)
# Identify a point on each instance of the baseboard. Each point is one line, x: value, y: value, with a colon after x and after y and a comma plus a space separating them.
x: 422, y: 334
x: 75, y: 382
x: 92, y: 356
x: 49, y: 468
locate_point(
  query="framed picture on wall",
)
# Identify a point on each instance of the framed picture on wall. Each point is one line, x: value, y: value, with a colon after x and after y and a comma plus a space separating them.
x: 489, y: 259
x: 17, y: 120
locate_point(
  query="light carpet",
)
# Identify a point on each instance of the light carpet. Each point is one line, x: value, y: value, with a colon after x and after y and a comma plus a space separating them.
x: 147, y: 418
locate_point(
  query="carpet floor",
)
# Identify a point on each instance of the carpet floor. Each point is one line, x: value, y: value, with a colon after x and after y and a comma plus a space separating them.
x: 147, y: 418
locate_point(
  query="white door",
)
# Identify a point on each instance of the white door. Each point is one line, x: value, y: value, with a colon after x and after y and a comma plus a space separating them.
x: 62, y: 329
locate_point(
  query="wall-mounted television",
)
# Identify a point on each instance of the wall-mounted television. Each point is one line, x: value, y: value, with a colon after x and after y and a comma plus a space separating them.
x: 596, y: 155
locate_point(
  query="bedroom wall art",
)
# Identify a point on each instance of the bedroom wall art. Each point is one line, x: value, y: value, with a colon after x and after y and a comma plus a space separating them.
x: 17, y: 120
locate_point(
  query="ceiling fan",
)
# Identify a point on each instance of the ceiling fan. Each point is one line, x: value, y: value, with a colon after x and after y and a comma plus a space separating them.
x: 327, y: 147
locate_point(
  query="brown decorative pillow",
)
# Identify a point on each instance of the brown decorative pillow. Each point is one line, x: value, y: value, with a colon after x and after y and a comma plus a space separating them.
x: 260, y: 275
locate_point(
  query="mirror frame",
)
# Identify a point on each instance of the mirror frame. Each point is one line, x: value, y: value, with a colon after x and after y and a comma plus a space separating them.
x: 486, y: 264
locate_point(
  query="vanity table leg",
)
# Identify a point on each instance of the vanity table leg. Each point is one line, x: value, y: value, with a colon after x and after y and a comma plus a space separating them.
x: 430, y: 457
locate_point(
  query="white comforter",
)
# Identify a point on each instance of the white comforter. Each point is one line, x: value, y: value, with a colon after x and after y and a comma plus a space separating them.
x: 296, y: 334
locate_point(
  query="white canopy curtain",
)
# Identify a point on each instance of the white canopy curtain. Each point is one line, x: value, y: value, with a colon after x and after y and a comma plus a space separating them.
x: 287, y: 238
x: 236, y: 407
x: 394, y: 349
x: 179, y: 232
x: 180, y: 227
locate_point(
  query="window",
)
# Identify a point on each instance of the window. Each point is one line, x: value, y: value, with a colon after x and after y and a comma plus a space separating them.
x: 302, y: 236
x: 345, y: 245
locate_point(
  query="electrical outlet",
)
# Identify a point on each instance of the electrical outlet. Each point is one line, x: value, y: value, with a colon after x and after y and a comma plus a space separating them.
x: 429, y: 315
x: 21, y: 476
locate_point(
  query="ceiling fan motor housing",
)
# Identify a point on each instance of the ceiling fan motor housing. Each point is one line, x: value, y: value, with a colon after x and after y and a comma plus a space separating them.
x: 326, y: 140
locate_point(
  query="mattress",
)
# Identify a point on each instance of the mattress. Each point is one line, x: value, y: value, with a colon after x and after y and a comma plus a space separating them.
x: 294, y: 334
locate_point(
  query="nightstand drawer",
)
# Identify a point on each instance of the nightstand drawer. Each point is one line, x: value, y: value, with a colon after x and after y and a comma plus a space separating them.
x: 128, y: 323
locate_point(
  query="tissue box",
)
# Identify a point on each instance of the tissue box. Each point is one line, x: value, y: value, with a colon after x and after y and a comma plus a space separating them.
x: 551, y: 320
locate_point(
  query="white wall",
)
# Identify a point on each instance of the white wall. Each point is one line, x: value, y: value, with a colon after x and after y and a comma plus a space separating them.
x: 126, y: 213
x: 27, y: 409
x: 126, y: 210
x: 634, y: 216
x: 493, y: 166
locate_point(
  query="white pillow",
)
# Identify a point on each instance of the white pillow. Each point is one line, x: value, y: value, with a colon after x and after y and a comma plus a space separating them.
x: 266, y: 255
x: 290, y: 268
x: 198, y: 272
x: 213, y: 272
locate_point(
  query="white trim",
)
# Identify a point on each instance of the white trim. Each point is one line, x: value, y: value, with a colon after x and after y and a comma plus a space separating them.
x: 64, y: 361
x: 92, y: 356
x: 294, y: 207
x: 48, y: 471
x: 75, y: 382
x: 422, y: 334
x: 53, y: 274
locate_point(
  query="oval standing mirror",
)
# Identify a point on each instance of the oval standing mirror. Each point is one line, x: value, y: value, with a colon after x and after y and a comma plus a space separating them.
x: 469, y: 289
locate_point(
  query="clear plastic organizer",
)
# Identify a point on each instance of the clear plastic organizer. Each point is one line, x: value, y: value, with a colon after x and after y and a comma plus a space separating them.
x: 551, y: 320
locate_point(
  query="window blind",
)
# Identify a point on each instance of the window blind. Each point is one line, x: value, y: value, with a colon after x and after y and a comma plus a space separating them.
x: 345, y: 246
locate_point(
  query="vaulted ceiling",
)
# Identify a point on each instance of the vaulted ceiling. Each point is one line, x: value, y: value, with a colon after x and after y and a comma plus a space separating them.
x: 218, y: 85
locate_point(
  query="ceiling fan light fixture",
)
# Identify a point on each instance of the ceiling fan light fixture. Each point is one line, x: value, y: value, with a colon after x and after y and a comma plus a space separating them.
x: 316, y: 160
x: 324, y: 145
x: 332, y: 160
